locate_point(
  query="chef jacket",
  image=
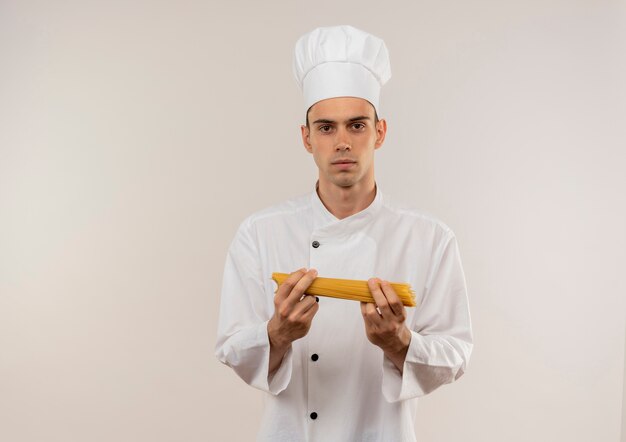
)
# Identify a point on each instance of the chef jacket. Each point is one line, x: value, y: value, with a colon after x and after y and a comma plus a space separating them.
x: 333, y: 384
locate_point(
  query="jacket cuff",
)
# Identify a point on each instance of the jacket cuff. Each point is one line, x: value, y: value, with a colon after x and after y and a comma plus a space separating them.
x: 248, y: 353
x: 418, y: 376
x: 279, y: 380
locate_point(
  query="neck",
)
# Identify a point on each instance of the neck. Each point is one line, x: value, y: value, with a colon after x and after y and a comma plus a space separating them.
x: 345, y: 201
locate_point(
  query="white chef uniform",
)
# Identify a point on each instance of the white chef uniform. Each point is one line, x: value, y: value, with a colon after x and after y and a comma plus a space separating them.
x: 333, y: 384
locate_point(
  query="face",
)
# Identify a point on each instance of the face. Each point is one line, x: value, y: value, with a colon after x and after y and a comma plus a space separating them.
x: 342, y: 137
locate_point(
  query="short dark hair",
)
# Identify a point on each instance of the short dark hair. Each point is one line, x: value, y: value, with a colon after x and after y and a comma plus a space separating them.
x: 309, y: 110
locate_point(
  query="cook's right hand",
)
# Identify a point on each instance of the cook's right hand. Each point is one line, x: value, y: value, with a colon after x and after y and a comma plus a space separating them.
x: 293, y: 313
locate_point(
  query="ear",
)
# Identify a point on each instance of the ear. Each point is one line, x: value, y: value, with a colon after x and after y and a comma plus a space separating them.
x: 381, y: 131
x: 305, y: 138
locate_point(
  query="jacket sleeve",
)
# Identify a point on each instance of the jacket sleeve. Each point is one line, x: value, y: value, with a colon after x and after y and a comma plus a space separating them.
x: 441, y: 332
x: 245, y: 309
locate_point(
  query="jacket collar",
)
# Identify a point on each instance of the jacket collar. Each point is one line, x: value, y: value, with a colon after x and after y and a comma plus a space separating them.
x: 325, y: 222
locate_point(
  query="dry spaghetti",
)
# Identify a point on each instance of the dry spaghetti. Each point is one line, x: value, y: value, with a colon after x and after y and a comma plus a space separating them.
x: 351, y: 289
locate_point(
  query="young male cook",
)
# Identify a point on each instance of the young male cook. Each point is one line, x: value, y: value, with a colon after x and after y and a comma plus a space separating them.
x: 333, y: 369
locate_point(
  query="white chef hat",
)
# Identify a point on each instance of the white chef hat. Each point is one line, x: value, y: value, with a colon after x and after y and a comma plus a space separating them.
x: 340, y: 61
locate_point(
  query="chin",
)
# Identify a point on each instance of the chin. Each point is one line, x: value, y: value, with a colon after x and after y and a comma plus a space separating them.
x: 346, y: 182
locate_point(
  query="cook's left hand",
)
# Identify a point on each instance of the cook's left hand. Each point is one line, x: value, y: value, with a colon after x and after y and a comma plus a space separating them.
x: 386, y: 329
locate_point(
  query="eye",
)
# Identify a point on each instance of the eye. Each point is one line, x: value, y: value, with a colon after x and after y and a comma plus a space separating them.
x: 358, y: 126
x: 325, y: 128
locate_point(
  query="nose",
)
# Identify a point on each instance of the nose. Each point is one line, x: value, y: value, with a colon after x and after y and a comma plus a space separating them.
x: 343, y: 143
x: 343, y: 146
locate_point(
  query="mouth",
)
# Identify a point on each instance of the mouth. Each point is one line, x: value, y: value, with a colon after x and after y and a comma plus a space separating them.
x: 344, y: 164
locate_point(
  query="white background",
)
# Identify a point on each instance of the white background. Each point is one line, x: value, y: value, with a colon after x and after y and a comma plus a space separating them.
x: 136, y: 135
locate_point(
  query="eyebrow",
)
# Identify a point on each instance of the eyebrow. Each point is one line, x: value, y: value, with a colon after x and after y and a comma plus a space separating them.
x: 351, y: 120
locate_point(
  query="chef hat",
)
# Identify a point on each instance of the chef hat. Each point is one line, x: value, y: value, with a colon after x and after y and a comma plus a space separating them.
x: 341, y: 61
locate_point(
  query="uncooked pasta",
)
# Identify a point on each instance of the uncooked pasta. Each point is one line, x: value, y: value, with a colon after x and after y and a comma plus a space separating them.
x: 352, y: 289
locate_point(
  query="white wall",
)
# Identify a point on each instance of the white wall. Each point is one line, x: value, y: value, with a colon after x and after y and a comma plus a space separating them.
x: 135, y: 136
x: 624, y: 398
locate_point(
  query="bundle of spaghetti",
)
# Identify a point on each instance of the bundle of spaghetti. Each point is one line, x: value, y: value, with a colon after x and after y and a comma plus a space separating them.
x: 352, y: 289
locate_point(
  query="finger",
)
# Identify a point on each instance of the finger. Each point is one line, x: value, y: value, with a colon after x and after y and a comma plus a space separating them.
x: 310, y: 313
x: 379, y: 297
x: 302, y: 306
x: 370, y: 314
x: 285, y: 288
x: 300, y: 287
x: 394, y: 301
